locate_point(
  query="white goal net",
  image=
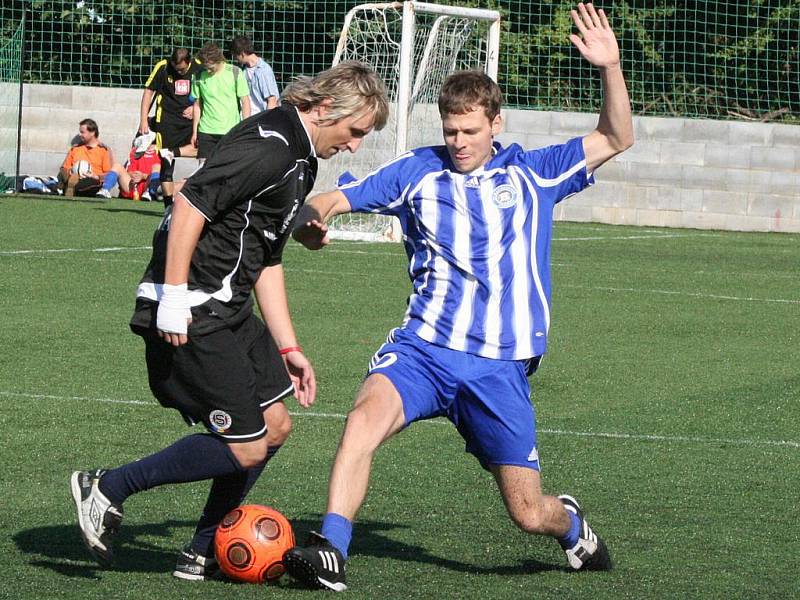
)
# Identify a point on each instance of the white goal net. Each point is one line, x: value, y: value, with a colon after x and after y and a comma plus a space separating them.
x: 412, y: 46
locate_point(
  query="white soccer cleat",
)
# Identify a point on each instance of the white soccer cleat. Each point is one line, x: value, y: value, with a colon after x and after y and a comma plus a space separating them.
x: 103, y: 193
x: 98, y: 518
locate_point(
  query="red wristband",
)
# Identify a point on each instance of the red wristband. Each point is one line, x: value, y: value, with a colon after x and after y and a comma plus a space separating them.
x: 283, y: 351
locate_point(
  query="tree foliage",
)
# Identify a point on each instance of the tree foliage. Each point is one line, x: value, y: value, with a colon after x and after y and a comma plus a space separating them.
x: 682, y: 58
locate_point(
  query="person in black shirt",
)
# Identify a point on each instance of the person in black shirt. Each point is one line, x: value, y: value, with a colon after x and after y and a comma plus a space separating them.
x: 169, y: 86
x: 207, y: 354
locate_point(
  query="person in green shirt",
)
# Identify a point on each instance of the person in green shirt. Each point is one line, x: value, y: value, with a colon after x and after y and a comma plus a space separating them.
x: 218, y: 90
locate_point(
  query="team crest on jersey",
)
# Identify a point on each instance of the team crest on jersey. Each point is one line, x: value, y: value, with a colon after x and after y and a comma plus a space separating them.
x: 504, y: 196
x: 182, y: 87
x: 220, y: 421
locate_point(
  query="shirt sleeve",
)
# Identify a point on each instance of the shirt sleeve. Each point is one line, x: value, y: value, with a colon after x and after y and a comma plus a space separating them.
x: 270, y: 85
x: 69, y: 160
x: 560, y: 169
x: 380, y: 191
x: 241, y: 85
x: 237, y: 171
x: 106, y: 164
x: 154, y: 81
x: 196, y: 87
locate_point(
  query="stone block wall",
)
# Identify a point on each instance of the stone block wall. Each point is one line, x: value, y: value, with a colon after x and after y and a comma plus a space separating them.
x: 680, y: 173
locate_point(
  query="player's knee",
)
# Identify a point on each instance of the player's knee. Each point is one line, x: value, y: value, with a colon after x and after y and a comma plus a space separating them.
x: 250, y: 454
x: 278, y: 431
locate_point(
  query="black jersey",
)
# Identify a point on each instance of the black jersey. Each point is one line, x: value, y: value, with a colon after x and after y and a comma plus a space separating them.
x: 173, y: 90
x: 249, y: 191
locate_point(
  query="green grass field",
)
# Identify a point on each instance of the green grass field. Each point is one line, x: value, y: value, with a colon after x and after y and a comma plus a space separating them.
x: 668, y: 404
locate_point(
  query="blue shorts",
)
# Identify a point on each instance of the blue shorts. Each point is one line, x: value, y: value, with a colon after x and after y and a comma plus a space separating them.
x: 488, y: 400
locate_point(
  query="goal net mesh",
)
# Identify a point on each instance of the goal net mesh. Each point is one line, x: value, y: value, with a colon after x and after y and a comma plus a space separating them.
x: 441, y: 44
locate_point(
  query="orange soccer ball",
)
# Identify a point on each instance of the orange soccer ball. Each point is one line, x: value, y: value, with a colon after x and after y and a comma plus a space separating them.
x: 250, y: 542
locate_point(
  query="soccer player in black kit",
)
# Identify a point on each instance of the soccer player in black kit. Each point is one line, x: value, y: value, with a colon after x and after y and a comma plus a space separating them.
x: 208, y: 355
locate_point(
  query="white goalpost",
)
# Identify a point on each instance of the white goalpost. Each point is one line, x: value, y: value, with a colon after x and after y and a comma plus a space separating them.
x: 412, y: 46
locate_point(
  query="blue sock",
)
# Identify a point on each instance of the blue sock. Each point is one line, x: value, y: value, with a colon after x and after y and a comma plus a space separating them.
x: 193, y: 458
x: 155, y: 181
x: 571, y: 538
x: 110, y: 180
x: 227, y: 492
x: 339, y: 532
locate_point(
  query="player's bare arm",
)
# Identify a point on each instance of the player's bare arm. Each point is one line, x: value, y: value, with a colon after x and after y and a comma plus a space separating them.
x: 598, y: 45
x: 174, y: 313
x: 270, y: 292
x: 311, y: 227
x: 144, y: 110
x: 197, y: 110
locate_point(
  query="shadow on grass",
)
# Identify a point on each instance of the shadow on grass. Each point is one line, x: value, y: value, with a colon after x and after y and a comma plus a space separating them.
x: 369, y: 540
x: 158, y: 210
x: 60, y: 549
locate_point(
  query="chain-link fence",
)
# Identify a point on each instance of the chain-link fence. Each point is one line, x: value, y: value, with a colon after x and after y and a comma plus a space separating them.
x: 10, y: 72
x: 715, y: 59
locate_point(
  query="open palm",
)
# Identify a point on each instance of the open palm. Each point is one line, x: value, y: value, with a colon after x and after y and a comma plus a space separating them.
x: 596, y: 42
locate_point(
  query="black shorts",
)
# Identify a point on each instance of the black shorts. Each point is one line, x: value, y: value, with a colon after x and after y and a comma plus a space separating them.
x: 172, y: 132
x: 224, y: 379
x: 206, y: 142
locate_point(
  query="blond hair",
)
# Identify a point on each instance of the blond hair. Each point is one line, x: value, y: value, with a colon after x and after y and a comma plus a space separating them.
x: 353, y: 88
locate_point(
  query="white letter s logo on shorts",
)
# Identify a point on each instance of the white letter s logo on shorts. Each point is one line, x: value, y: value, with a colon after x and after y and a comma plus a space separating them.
x: 220, y: 421
x: 384, y: 361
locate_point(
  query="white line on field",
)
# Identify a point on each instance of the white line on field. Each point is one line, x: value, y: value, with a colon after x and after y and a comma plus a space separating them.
x: 61, y: 250
x: 679, y: 293
x: 654, y: 236
x: 591, y: 434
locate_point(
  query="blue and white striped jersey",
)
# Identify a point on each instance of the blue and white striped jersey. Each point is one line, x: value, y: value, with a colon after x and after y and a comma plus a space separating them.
x: 478, y: 243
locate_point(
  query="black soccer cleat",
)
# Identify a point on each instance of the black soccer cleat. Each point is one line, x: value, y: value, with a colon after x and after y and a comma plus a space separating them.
x: 317, y: 565
x: 98, y: 518
x: 193, y: 567
x: 590, y: 553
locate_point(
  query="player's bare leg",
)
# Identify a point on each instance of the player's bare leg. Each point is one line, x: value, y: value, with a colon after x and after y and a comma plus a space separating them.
x: 530, y: 510
x: 561, y: 518
x: 377, y: 414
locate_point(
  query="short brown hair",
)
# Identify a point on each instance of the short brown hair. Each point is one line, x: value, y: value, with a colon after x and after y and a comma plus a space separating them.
x: 464, y: 91
x: 180, y: 55
x: 91, y: 125
x: 242, y: 45
x: 353, y: 88
x: 210, y: 53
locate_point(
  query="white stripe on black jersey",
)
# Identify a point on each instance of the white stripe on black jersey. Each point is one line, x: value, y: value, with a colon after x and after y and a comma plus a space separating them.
x: 249, y: 190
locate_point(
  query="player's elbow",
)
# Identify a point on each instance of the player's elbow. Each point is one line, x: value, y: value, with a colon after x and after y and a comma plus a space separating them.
x: 624, y: 141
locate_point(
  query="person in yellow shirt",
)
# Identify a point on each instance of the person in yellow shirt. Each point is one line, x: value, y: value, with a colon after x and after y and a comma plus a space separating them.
x: 86, y: 164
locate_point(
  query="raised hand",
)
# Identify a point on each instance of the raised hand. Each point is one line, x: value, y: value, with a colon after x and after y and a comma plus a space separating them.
x: 596, y: 42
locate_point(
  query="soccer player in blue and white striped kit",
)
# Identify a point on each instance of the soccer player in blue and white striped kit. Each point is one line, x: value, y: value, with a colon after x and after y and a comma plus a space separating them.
x: 477, y: 221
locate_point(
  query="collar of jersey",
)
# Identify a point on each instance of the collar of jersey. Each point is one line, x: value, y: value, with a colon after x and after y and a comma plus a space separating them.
x: 308, y: 135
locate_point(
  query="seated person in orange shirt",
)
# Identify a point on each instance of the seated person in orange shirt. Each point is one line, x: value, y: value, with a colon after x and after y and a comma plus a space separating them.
x: 86, y: 164
x: 140, y: 177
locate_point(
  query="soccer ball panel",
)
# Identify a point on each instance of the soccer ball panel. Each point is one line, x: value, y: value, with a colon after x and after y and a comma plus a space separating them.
x: 250, y: 543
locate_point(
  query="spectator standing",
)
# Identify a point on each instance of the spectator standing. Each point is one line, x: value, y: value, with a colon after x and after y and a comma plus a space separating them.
x: 264, y: 93
x: 170, y: 87
x: 218, y: 91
